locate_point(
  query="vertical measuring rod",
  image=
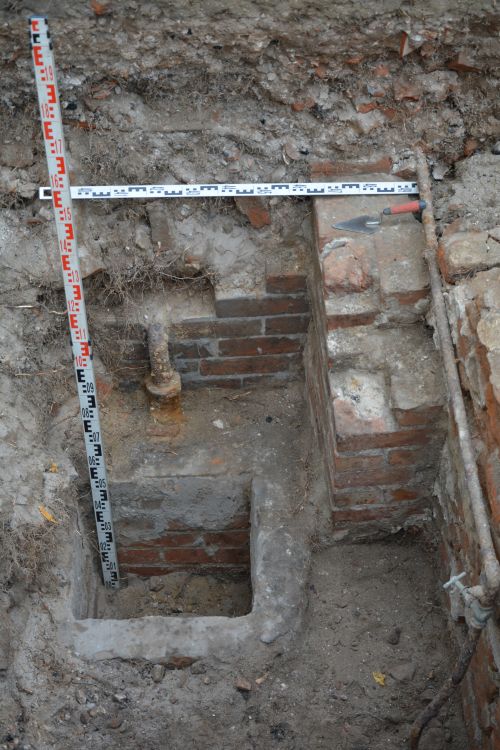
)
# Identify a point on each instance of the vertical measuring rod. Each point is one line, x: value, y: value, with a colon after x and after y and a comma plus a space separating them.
x: 50, y: 113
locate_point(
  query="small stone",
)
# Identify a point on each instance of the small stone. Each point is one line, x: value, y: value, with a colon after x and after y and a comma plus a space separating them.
x: 115, y: 722
x: 394, y: 636
x: 198, y: 668
x: 156, y: 583
x: 495, y: 149
x: 84, y: 717
x: 120, y: 698
x: 158, y: 672
x: 403, y: 672
x: 404, y: 89
x: 291, y: 151
x: 471, y: 145
x: 173, y: 699
x: 80, y: 696
x: 206, y: 680
x: 243, y: 685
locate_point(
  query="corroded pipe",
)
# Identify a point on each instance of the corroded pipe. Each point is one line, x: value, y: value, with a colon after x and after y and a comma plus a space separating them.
x: 164, y: 382
x: 490, y: 562
x: 161, y: 369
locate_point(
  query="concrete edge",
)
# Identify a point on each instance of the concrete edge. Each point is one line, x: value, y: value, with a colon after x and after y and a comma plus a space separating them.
x: 279, y: 568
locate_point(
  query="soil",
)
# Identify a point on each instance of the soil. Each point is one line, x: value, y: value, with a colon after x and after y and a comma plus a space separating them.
x: 166, y: 92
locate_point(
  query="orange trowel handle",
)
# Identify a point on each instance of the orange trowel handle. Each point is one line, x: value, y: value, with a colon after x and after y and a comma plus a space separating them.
x: 406, y: 208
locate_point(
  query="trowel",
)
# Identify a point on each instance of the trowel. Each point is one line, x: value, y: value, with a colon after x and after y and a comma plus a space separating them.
x: 370, y: 224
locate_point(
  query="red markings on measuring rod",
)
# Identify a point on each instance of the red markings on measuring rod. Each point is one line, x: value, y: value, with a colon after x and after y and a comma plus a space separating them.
x: 50, y: 113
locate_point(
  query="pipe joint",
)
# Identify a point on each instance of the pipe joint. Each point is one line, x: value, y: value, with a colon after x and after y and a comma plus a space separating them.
x: 477, y: 614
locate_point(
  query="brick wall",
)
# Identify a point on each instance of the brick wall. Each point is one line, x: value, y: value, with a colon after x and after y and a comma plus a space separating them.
x: 474, y: 311
x: 372, y: 371
x: 245, y: 340
x: 189, y: 549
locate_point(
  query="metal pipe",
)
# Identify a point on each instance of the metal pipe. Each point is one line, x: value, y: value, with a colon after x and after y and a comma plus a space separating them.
x: 161, y: 369
x: 490, y: 562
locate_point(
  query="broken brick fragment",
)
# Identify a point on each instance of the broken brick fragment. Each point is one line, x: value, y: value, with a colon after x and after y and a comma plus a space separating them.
x: 255, y: 209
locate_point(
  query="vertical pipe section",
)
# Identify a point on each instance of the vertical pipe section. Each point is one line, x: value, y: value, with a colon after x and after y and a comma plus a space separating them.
x: 490, y: 563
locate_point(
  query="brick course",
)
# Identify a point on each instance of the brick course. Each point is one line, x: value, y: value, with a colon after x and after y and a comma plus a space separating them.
x: 248, y: 340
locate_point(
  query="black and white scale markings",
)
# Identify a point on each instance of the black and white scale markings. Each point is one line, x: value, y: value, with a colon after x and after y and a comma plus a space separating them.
x: 50, y: 113
x: 283, y: 189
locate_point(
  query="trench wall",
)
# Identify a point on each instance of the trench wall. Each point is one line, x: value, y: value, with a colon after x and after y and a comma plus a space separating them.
x: 469, y: 263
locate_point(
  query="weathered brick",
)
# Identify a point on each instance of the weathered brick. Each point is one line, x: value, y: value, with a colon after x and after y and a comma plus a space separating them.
x: 411, y: 457
x: 357, y: 463
x: 236, y: 538
x: 201, y: 556
x: 286, y: 324
x: 243, y: 365
x: 382, y: 476
x: 286, y: 283
x: 145, y: 571
x: 255, y: 209
x: 194, y: 349
x: 175, y: 539
x: 350, y: 320
x: 255, y: 346
x: 412, y: 417
x: 358, y: 496
x: 403, y: 493
x: 463, y: 253
x: 385, y: 439
x: 240, y: 307
x: 200, y: 329
x: 139, y: 555
x: 200, y: 381
x: 376, y: 513
x: 347, y: 269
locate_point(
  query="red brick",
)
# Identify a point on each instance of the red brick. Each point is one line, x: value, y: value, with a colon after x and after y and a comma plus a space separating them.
x: 370, y: 477
x: 287, y: 324
x: 385, y: 439
x: 241, y: 307
x: 257, y: 346
x: 135, y: 555
x: 492, y: 475
x: 201, y: 556
x: 356, y: 463
x: 358, y: 496
x: 243, y: 365
x: 339, y: 168
x: 286, y: 283
x: 348, y: 321
x: 403, y: 493
x: 255, y: 209
x: 237, y: 538
x: 348, y: 269
x: 206, y: 382
x: 410, y: 457
x: 200, y: 329
x: 409, y: 298
x: 147, y: 570
x: 359, y: 514
x: 174, y: 539
x: 414, y: 417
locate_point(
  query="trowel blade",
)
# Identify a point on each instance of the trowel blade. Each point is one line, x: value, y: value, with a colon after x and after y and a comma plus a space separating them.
x: 366, y: 224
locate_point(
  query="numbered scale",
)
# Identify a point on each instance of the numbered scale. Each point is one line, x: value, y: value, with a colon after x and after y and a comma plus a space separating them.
x: 50, y: 113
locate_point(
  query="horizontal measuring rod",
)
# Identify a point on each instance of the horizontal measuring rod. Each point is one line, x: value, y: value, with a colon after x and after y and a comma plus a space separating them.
x: 283, y: 189
x: 57, y: 164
